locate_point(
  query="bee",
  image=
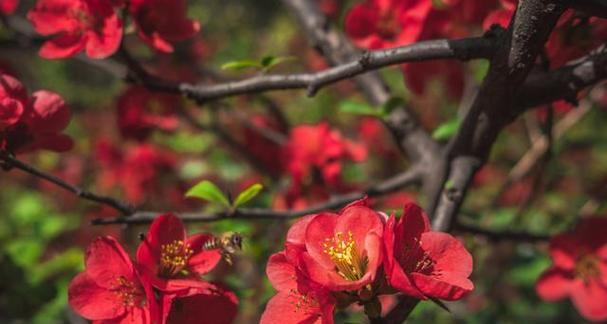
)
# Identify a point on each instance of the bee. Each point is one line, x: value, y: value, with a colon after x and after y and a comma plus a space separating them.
x: 228, y: 244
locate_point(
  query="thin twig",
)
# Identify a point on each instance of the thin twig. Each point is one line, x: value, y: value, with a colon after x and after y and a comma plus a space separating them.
x: 11, y: 162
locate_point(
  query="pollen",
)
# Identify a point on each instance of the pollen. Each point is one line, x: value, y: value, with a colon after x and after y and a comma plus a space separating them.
x: 128, y: 292
x: 344, y: 253
x: 174, y: 257
x: 303, y: 303
x: 587, y: 267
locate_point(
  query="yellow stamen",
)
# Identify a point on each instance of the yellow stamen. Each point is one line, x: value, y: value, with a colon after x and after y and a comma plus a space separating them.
x: 349, y: 263
x: 587, y: 267
x: 173, y: 258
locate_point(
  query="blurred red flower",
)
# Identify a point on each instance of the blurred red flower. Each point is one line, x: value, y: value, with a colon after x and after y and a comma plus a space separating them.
x: 172, y: 260
x: 422, y: 263
x: 89, y: 25
x: 140, y: 112
x: 31, y: 123
x: 135, y: 170
x: 579, y: 269
x: 378, y: 24
x: 162, y: 22
x: 7, y: 7
x: 110, y: 289
x: 319, y: 149
x: 210, y: 304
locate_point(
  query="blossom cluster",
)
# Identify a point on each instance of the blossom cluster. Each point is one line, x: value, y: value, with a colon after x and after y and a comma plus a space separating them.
x: 163, y: 285
x: 331, y: 261
x: 31, y: 122
x: 97, y: 26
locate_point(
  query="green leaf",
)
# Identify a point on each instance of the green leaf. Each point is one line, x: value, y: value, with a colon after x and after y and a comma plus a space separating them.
x: 206, y: 190
x: 359, y: 108
x: 247, y: 194
x: 446, y: 130
x: 241, y: 65
x: 269, y: 61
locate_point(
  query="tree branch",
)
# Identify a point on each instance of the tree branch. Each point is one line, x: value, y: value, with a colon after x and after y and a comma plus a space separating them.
x: 11, y: 162
x: 409, y: 177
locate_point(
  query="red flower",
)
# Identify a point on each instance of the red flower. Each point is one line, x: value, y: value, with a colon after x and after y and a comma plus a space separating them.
x: 171, y: 258
x: 317, y: 147
x: 7, y: 7
x: 579, y: 269
x: 110, y: 289
x: 341, y: 252
x: 377, y: 24
x: 137, y: 171
x: 422, y: 263
x: 297, y: 300
x: 140, y: 112
x: 162, y: 22
x: 205, y: 304
x: 90, y: 25
x: 28, y: 124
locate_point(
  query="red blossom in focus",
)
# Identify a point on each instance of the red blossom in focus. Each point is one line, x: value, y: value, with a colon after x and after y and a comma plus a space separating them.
x: 140, y: 112
x: 110, y: 289
x: 173, y: 260
x: 162, y: 22
x: 137, y: 170
x: 377, y: 24
x: 31, y: 123
x: 422, y: 263
x: 89, y: 25
x: 340, y: 252
x: 7, y: 7
x: 579, y: 269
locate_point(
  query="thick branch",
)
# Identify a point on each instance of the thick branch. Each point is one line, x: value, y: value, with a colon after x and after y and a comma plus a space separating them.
x: 493, y: 108
x: 410, y: 177
x: 11, y: 162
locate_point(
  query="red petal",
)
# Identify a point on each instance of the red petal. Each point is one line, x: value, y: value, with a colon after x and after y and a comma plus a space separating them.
x: 433, y: 286
x: 105, y: 42
x: 48, y: 112
x: 281, y: 273
x: 202, y: 261
x: 361, y: 21
x: 449, y: 254
x: 360, y: 221
x: 62, y: 46
x: 297, y: 233
x: 219, y: 307
x: 106, y: 260
x: 282, y: 308
x: 93, y: 301
x: 590, y: 299
x: 321, y: 228
x: 564, y: 250
x: 554, y: 284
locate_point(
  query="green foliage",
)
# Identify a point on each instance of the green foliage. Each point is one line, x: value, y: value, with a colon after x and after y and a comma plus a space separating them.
x: 247, y: 194
x: 206, y: 190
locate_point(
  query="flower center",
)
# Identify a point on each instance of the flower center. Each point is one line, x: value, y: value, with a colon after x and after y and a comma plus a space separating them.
x: 344, y: 253
x: 388, y: 26
x: 414, y: 259
x: 587, y: 267
x: 127, y: 291
x: 174, y: 257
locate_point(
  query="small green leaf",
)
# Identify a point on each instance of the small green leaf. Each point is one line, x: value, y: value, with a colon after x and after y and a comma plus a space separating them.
x: 241, y: 65
x: 247, y: 194
x: 270, y: 61
x: 208, y: 191
x: 446, y: 130
x: 359, y: 108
